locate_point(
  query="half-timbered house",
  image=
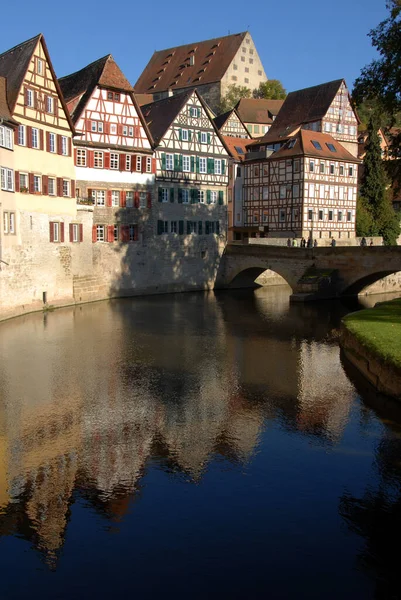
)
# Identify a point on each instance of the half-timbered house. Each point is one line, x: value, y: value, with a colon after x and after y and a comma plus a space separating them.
x: 258, y: 114
x: 113, y: 154
x: 229, y: 124
x: 192, y: 167
x: 306, y: 188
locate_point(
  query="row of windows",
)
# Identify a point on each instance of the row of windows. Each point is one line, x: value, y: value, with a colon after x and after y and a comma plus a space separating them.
x: 115, y: 233
x: 192, y: 164
x: 32, y: 183
x: 293, y: 215
x: 331, y: 215
x: 186, y: 135
x: 257, y: 129
x: 96, y: 126
x: 113, y: 160
x: 9, y: 223
x: 330, y: 191
x: 190, y: 196
x: 33, y: 137
x: 7, y: 179
x: 6, y: 137
x: 115, y: 198
x: 43, y: 103
x: 189, y: 227
x: 339, y: 128
x: 56, y: 232
x: 314, y: 167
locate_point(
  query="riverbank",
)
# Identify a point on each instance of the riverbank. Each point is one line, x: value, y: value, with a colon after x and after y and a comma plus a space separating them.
x: 371, y: 340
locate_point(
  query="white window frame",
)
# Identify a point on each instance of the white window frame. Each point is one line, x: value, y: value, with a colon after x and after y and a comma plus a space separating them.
x: 217, y: 166
x: 186, y: 164
x: 21, y: 135
x: 173, y: 227
x: 24, y: 182
x: 52, y: 142
x: 75, y: 232
x: 50, y: 105
x: 99, y: 197
x: 51, y: 186
x: 185, y: 196
x: 64, y: 145
x: 148, y: 164
x: 114, y: 160
x: 165, y: 194
x: 6, y: 139
x: 193, y: 112
x: 125, y: 130
x: 39, y: 66
x: 184, y: 135
x: 37, y: 184
x: 100, y: 127
x: 201, y: 196
x: 7, y: 179
x: 203, y: 137
x: 5, y: 222
x: 30, y: 98
x: 11, y: 226
x: 213, y: 197
x: 169, y: 162
x: 56, y: 231
x: 129, y: 199
x: 113, y: 129
x: 138, y: 166
x: 115, y: 198
x: 202, y: 165
x: 130, y: 131
x: 128, y: 162
x: 66, y: 188
x: 143, y: 199
x: 35, y: 138
x: 100, y: 233
x: 81, y: 157
x: 98, y: 159
x: 93, y: 126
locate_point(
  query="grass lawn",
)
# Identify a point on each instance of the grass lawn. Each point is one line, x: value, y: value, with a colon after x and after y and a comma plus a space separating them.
x: 379, y: 330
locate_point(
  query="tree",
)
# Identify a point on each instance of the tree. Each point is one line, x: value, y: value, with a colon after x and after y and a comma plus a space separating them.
x: 270, y: 90
x: 233, y: 94
x: 375, y: 210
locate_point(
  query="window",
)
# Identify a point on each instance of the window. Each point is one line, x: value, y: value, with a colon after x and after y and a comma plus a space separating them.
x: 37, y: 181
x: 98, y: 160
x: 310, y: 214
x: 191, y: 226
x: 114, y: 160
x: 7, y: 179
x: 81, y: 157
x: 283, y: 191
x: 246, y: 69
x: 185, y: 196
x: 217, y: 166
x: 311, y: 190
x: 115, y: 198
x: 74, y: 233
x: 129, y: 199
x: 202, y: 165
x: 238, y: 171
x: 235, y: 67
x: 29, y: 98
x: 316, y: 144
x: 213, y: 197
x: 164, y: 194
x: 349, y: 215
x: 296, y: 166
x: 66, y: 188
x: 246, y: 79
x: 93, y: 126
x: 341, y: 169
x: 52, y: 142
x: 130, y: 131
x: 117, y: 97
x: 35, y: 138
x: 50, y: 105
x: 55, y: 232
x: 203, y: 137
x: 350, y: 171
x: 128, y: 162
x: 265, y: 193
x: 341, y: 193
x: 115, y: 233
x: 109, y: 95
x: 201, y: 196
x: 250, y: 62
x: 331, y: 169
x: 148, y: 164
x: 162, y: 227
x: 6, y: 137
x: 295, y: 190
x: 186, y: 164
x: 64, y: 145
x: 142, y: 199
x: 331, y: 147
x: 184, y: 135
x: 331, y: 194
x: 256, y: 128
x: 330, y: 215
x: 132, y: 233
x: 100, y: 233
x: 113, y: 129
x: 282, y: 215
x: 320, y: 215
x: 99, y: 197
x: 173, y: 227
x: 340, y: 215
x: 194, y: 111
x: 11, y: 223
x: 170, y: 162
x: 125, y: 130
x: 260, y: 73
x: 322, y: 167
x: 21, y: 135
x: 23, y: 182
x: 311, y: 166
x: 51, y: 186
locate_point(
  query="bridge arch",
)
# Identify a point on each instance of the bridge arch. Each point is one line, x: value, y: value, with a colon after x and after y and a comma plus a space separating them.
x: 362, y: 283
x: 247, y: 278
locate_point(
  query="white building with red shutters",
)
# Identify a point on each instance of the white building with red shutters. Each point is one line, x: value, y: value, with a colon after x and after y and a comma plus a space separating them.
x: 115, y: 168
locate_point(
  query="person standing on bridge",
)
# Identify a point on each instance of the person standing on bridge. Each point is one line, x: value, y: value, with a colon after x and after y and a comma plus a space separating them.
x: 363, y: 241
x: 371, y: 242
x: 333, y: 243
x: 289, y: 243
x: 315, y: 243
x: 294, y: 243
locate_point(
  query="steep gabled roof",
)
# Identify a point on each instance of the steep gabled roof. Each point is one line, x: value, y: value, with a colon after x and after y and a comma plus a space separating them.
x: 5, y: 114
x: 236, y: 147
x: 258, y: 110
x: 14, y: 64
x: 103, y: 72
x: 160, y: 114
x: 172, y: 68
x: 303, y: 106
x: 304, y: 139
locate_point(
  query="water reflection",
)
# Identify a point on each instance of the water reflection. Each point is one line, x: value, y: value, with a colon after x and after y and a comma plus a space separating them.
x: 95, y: 398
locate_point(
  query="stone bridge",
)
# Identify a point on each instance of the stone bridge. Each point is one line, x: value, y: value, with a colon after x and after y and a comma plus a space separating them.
x: 312, y: 273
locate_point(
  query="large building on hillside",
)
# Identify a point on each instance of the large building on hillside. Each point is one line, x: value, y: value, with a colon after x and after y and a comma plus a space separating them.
x: 209, y: 66
x: 191, y: 169
x: 113, y: 153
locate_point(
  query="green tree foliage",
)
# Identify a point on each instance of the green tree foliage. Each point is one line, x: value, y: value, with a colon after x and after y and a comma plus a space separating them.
x: 375, y: 211
x: 270, y: 90
x: 233, y: 95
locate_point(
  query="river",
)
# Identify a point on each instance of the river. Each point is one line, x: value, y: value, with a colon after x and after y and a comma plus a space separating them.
x: 194, y: 446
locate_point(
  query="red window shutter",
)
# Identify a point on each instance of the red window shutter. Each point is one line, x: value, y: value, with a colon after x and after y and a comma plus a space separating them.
x: 42, y: 140
x: 70, y: 227
x: 108, y: 198
x: 45, y: 185
x: 25, y: 96
x: 153, y: 165
x: 69, y: 147
x: 59, y: 146
x: 107, y: 128
x: 136, y: 199
x: 81, y: 232
x: 88, y: 125
x: 107, y: 160
x: 16, y: 136
x: 133, y: 162
x: 149, y: 199
x: 29, y: 136
x: 35, y: 99
x: 94, y: 234
x: 48, y: 141
x: 122, y: 199
x: 51, y: 231
x: 16, y: 173
x: 62, y: 233
x: 124, y: 233
x: 75, y: 156
x: 119, y: 129
x: 31, y: 183
x: 143, y: 164
x: 122, y: 162
x: 89, y: 193
x: 110, y: 233
x: 72, y: 188
x: 55, y: 106
x: 91, y: 158
x: 59, y: 186
x: 137, y: 132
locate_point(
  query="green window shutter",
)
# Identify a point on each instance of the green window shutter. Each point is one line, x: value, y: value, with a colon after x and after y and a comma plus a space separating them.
x: 209, y: 165
x: 193, y: 196
x: 181, y: 227
x: 160, y: 194
x: 221, y: 197
x: 199, y: 113
x: 197, y: 164
x: 198, y: 196
x: 208, y: 196
x: 189, y: 135
x: 163, y: 157
x: 179, y: 195
x: 208, y: 138
x: 176, y: 162
x: 223, y: 166
x: 207, y: 229
x: 199, y: 137
x: 212, y: 166
x: 159, y: 227
x: 192, y: 164
x: 188, y: 226
x: 180, y: 162
x: 171, y: 194
x: 180, y: 134
x: 200, y: 227
x: 217, y: 227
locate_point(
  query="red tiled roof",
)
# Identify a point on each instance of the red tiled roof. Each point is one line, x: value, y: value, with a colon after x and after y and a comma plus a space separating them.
x: 258, y: 110
x: 172, y: 68
x: 235, y: 145
x: 304, y: 146
x: 144, y: 99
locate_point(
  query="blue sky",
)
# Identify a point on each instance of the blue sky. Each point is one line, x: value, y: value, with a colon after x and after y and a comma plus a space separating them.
x: 300, y: 42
